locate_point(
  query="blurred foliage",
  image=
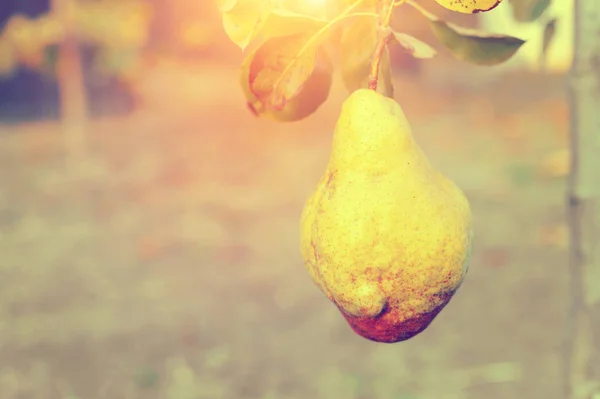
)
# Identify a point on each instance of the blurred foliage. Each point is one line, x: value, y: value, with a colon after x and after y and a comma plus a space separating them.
x: 538, y: 12
x: 119, y: 29
x: 535, y: 11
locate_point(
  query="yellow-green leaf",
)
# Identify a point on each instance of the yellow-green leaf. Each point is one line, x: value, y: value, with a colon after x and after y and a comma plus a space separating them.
x: 282, y: 22
x: 414, y: 46
x: 280, y: 67
x: 469, y: 6
x: 357, y: 47
x: 244, y: 20
x: 473, y: 46
x: 529, y: 10
x: 272, y: 82
x: 357, y: 50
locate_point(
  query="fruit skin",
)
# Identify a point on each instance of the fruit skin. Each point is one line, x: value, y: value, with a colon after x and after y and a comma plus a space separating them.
x: 469, y: 6
x: 385, y: 235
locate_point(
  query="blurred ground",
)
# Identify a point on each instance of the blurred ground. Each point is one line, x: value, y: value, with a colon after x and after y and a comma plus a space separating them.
x: 166, y: 265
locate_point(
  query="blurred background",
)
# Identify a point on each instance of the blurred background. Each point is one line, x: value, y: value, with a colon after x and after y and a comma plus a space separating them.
x: 149, y: 243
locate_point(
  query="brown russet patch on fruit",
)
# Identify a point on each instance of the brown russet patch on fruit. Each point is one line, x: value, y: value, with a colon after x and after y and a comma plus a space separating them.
x: 392, y: 325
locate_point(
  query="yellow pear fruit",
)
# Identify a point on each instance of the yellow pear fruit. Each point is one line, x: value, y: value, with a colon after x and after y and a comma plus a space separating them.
x: 385, y: 235
x: 469, y: 6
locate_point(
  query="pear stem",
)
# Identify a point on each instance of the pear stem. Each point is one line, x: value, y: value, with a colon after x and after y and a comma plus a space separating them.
x: 384, y: 35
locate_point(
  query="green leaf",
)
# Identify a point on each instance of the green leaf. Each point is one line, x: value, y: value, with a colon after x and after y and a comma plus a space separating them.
x: 529, y: 10
x: 285, y: 79
x: 282, y: 22
x: 473, y: 46
x: 414, y: 46
x: 244, y: 20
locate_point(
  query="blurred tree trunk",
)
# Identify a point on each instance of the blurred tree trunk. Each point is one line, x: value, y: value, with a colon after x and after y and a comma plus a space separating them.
x: 582, y: 346
x: 71, y: 86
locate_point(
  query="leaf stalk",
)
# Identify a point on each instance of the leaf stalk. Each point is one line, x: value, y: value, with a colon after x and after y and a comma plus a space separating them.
x: 384, y: 35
